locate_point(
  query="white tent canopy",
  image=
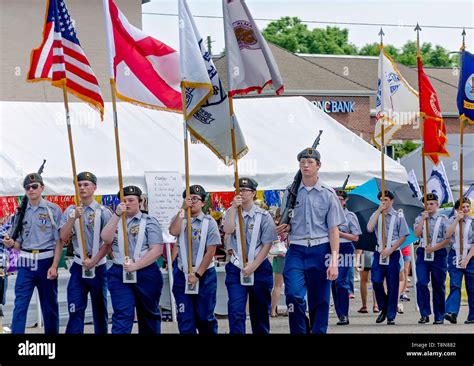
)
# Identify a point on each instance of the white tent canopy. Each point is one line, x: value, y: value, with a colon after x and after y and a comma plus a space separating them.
x: 276, y: 129
x: 451, y: 163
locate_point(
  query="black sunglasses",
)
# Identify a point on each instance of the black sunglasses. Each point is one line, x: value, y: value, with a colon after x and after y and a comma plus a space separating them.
x: 34, y: 186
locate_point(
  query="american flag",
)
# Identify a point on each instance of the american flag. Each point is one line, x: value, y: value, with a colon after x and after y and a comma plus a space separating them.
x: 61, y: 59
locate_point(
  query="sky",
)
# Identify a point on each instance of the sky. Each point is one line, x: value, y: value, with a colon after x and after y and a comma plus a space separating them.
x: 400, y: 12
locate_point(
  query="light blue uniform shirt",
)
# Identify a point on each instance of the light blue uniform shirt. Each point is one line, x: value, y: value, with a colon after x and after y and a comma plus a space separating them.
x: 400, y: 227
x: 153, y: 233
x: 470, y: 235
x: 351, y: 226
x: 266, y: 234
x: 431, y: 225
x: 317, y: 210
x: 212, y: 238
x: 88, y: 218
x: 39, y: 232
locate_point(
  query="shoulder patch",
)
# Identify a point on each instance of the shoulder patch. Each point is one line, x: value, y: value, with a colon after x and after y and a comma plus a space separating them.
x: 324, y: 185
x: 261, y: 211
x: 350, y: 213
x: 53, y: 205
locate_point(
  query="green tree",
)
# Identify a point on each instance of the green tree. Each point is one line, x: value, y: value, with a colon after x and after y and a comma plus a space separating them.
x: 373, y: 49
x: 288, y: 33
x: 400, y: 150
x: 293, y: 35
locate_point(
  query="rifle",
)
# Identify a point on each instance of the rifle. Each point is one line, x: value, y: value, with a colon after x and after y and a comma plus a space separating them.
x: 20, y: 213
x: 345, y: 182
x: 293, y: 190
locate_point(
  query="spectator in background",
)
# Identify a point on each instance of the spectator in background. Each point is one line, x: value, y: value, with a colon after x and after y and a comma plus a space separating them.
x: 278, y: 264
x: 363, y: 266
x: 406, y: 253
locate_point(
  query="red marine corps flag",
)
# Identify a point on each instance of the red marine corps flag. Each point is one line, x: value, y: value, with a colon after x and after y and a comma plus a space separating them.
x: 434, y: 130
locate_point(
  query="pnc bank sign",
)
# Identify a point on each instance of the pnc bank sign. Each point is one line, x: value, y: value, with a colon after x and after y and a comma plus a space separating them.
x: 335, y: 106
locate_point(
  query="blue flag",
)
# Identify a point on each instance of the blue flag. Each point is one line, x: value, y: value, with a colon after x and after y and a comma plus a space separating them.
x: 465, y: 98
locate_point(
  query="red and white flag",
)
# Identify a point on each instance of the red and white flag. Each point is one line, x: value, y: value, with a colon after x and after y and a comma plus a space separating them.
x: 61, y: 60
x: 250, y: 62
x: 145, y: 71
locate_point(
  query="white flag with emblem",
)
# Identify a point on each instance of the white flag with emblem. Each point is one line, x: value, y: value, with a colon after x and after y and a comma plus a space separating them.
x: 250, y: 62
x: 413, y: 183
x: 396, y: 103
x: 439, y: 184
x: 207, y: 104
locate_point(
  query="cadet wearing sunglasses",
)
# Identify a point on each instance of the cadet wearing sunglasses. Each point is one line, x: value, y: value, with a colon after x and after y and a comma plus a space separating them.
x: 39, y: 257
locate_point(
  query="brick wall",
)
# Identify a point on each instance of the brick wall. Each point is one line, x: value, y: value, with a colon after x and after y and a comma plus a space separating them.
x: 357, y: 121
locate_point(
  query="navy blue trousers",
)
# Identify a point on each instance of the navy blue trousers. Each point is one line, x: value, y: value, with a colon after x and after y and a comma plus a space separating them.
x: 259, y: 296
x: 196, y: 312
x: 77, y: 290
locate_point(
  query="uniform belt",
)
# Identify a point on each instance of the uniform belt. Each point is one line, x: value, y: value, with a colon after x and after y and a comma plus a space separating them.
x: 116, y: 259
x: 35, y: 256
x: 35, y: 250
x: 311, y: 242
x: 343, y: 240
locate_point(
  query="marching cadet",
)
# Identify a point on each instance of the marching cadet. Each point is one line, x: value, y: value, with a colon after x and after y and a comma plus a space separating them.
x: 396, y: 231
x: 432, y: 265
x: 89, y: 274
x: 460, y: 263
x: 348, y: 234
x: 196, y: 311
x: 311, y: 262
x: 39, y: 258
x: 259, y: 231
x: 134, y: 282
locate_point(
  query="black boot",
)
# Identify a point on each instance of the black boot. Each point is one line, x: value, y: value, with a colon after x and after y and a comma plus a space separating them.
x: 381, y: 318
x: 343, y: 320
x: 452, y: 318
x: 424, y: 320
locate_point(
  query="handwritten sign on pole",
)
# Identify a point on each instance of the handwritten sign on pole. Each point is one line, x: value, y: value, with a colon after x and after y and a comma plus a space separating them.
x: 165, y: 191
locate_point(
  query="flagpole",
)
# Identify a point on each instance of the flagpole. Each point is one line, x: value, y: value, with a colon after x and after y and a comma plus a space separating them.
x: 109, y: 33
x: 119, y: 167
x: 422, y: 121
x: 186, y: 174
x: 461, y: 155
x: 74, y: 172
x: 236, y: 181
x: 382, y: 148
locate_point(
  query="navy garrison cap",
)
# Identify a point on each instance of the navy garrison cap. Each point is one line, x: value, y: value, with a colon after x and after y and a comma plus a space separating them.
x: 131, y: 191
x: 87, y: 176
x: 341, y: 193
x: 388, y: 194
x: 431, y: 197
x: 309, y: 152
x: 32, y: 178
x: 198, y: 190
x: 248, y: 183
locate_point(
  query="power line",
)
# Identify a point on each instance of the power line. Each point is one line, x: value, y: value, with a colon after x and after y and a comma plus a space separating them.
x: 334, y: 23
